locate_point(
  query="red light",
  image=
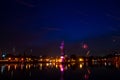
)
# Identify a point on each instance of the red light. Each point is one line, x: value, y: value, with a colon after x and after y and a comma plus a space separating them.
x: 86, y: 76
x: 85, y: 46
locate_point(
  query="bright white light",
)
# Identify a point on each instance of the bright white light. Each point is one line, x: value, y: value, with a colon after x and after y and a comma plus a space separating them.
x: 61, y: 57
x: 3, y: 55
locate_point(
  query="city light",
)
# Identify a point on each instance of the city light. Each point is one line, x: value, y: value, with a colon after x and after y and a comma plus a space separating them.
x: 80, y: 59
x: 22, y: 59
x: 81, y: 66
x: 62, y: 57
x: 61, y: 68
x: 9, y: 58
x: 15, y: 66
x: 16, y: 59
x: 3, y: 55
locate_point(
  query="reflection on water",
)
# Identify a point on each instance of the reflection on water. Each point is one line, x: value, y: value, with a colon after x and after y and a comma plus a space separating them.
x: 62, y: 68
x: 87, y: 74
x: 31, y: 71
x: 2, y: 68
x: 41, y: 66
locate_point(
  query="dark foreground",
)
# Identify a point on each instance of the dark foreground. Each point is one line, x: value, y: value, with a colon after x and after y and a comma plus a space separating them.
x: 52, y: 71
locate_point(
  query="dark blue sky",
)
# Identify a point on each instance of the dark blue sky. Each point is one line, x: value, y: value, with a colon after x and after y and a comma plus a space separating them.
x: 43, y: 24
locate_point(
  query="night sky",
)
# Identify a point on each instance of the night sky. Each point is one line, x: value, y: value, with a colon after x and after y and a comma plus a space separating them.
x: 41, y: 25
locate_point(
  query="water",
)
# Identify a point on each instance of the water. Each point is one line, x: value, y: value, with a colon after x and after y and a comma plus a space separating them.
x: 52, y: 71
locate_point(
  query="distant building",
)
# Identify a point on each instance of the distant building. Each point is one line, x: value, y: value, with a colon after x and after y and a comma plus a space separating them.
x: 14, y: 52
x: 62, y: 52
